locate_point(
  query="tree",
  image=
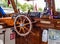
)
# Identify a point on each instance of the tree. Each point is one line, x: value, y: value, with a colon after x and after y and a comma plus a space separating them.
x: 30, y: 7
x: 5, y: 4
x: 40, y: 9
x: 58, y: 9
x: 25, y: 6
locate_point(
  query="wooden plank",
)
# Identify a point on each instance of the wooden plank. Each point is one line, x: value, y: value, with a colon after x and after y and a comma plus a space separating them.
x: 4, y: 18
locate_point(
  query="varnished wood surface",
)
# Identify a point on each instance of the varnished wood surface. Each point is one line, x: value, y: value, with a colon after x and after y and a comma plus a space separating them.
x: 7, y: 20
x: 48, y: 23
x: 31, y: 39
x: 54, y: 23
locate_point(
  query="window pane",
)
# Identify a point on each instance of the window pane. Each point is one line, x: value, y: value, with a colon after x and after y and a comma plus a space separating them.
x: 36, y: 5
x: 4, y: 3
x: 57, y: 5
x: 5, y: 6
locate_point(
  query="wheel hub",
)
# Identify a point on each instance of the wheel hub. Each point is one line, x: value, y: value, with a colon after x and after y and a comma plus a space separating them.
x: 22, y: 25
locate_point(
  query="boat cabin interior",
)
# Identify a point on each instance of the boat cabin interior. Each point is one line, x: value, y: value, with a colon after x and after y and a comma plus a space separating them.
x: 32, y: 26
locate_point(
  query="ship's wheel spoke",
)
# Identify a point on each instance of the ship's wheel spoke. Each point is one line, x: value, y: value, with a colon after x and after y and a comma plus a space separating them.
x: 23, y: 29
x: 23, y: 21
x: 26, y: 28
x: 18, y: 21
x: 26, y: 24
x: 18, y: 26
x: 30, y: 32
x: 20, y: 29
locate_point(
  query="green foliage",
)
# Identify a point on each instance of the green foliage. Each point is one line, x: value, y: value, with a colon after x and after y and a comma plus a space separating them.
x: 30, y: 7
x: 40, y: 9
x: 18, y: 4
x: 58, y: 9
x: 25, y: 7
x: 5, y: 4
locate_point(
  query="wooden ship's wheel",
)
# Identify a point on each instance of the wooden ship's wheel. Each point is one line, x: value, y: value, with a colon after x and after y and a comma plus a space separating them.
x: 24, y: 25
